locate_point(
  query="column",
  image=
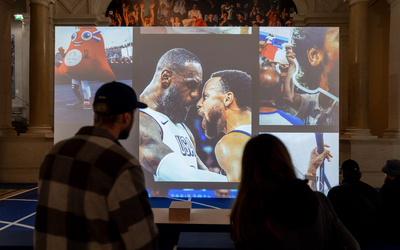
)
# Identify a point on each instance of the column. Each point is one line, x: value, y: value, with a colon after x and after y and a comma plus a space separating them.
x: 39, y: 68
x: 6, y: 127
x: 358, y: 71
x: 394, y: 70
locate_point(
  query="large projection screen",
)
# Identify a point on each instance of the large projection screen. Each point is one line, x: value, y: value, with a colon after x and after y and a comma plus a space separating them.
x: 284, y: 80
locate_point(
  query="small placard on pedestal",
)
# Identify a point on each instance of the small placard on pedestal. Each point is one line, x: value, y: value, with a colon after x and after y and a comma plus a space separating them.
x: 180, y: 211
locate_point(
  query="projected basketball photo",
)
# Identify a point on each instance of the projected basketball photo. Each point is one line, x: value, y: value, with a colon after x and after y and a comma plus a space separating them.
x: 314, y: 154
x: 299, y: 76
x: 85, y: 59
x: 200, y: 106
x: 202, y: 88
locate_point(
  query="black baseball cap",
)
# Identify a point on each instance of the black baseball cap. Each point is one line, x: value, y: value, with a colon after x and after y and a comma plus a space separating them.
x: 350, y: 166
x: 119, y: 97
x: 392, y: 167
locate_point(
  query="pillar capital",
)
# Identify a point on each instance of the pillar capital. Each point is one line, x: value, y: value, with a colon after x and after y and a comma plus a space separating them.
x: 6, y: 4
x: 44, y: 3
x: 393, y: 3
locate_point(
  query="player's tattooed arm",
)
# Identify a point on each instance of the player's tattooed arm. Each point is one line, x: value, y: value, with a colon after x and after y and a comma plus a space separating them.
x: 152, y: 149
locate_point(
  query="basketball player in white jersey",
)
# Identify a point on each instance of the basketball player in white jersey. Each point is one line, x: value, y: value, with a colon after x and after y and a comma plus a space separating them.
x: 167, y: 146
x: 225, y: 106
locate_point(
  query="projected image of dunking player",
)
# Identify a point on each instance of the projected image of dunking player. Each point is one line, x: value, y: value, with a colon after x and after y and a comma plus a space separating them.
x: 317, y: 51
x: 225, y: 106
x: 167, y: 146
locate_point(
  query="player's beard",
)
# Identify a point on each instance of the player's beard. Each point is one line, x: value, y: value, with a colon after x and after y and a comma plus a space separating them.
x: 215, y: 123
x: 175, y: 110
x: 124, y: 134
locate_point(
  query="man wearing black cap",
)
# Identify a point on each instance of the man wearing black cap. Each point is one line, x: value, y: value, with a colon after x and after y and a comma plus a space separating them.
x: 390, y: 197
x: 91, y: 190
x: 356, y: 204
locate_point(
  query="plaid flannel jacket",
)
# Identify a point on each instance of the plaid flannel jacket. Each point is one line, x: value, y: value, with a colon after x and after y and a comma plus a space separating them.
x: 92, y: 196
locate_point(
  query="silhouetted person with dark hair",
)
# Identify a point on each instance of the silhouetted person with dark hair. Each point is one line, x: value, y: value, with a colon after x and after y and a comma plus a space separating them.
x: 356, y: 204
x: 275, y: 210
x: 390, y: 197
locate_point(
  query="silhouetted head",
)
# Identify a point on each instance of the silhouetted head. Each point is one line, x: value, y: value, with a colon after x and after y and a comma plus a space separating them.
x: 266, y: 163
x: 350, y: 170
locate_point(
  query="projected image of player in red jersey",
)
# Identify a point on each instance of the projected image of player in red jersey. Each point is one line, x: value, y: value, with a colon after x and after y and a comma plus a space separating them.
x: 225, y: 106
x: 167, y: 146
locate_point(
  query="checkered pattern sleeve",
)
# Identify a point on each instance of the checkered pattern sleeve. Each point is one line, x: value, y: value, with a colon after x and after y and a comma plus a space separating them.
x: 130, y: 208
x: 92, y: 196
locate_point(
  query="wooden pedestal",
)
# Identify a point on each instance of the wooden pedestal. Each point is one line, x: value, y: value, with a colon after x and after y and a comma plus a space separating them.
x: 180, y: 211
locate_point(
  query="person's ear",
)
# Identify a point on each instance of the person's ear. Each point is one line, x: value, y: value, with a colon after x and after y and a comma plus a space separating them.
x: 127, y: 116
x: 166, y: 78
x: 228, y: 99
x: 315, y: 56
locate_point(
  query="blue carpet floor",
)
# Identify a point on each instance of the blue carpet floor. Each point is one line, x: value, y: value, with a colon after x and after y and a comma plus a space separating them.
x: 17, y: 216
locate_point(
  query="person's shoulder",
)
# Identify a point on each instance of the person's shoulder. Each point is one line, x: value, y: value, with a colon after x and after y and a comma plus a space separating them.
x: 115, y: 160
x: 59, y: 145
x: 389, y: 188
x: 150, y: 121
x: 291, y: 118
x: 337, y: 191
x: 132, y: 161
x: 232, y: 140
x: 99, y: 148
x: 66, y: 145
x: 367, y: 186
x: 322, y: 199
x: 320, y: 195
